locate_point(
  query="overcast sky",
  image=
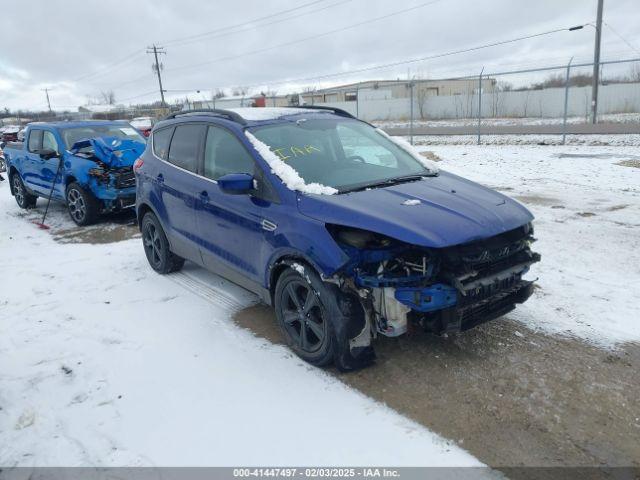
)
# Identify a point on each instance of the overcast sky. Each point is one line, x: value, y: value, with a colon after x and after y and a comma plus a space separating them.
x: 78, y: 48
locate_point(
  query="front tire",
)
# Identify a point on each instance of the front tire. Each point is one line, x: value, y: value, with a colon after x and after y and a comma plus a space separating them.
x: 83, y: 207
x: 23, y: 198
x: 311, y: 315
x: 156, y: 246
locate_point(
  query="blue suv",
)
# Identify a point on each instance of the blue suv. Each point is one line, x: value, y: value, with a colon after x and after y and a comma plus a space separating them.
x: 347, y: 232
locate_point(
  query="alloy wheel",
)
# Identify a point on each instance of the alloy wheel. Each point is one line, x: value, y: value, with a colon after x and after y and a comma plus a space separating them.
x: 77, y: 206
x: 152, y: 244
x: 18, y: 190
x: 303, y: 316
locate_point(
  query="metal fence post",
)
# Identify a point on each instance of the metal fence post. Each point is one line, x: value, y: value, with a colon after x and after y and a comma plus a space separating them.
x: 411, y: 109
x: 566, y: 103
x: 358, y: 100
x: 480, y: 102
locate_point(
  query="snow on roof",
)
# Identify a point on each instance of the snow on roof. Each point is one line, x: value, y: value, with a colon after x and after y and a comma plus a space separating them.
x: 285, y: 172
x: 266, y: 113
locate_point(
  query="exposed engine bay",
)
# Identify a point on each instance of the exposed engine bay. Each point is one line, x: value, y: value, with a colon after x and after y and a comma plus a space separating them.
x: 442, y: 290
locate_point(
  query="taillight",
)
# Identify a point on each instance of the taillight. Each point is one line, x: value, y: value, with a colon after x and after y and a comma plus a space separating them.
x: 138, y: 164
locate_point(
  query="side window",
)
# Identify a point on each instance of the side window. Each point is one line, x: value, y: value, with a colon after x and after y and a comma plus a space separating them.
x: 161, y: 140
x: 183, y: 151
x: 35, y: 141
x: 49, y: 141
x: 225, y: 154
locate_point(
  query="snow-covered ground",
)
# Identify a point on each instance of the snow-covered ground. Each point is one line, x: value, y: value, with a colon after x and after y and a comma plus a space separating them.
x: 465, y: 122
x: 587, y: 206
x: 104, y: 362
x: 626, y: 140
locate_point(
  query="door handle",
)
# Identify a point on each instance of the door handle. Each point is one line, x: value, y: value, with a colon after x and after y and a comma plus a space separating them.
x: 204, y: 196
x: 160, y: 178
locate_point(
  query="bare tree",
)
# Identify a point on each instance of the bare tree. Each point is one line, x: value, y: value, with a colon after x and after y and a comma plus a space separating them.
x: 108, y: 97
x: 240, y: 91
x: 421, y: 98
x: 219, y: 93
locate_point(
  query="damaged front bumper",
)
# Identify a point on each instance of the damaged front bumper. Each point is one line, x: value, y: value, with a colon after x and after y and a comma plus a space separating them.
x: 443, y: 291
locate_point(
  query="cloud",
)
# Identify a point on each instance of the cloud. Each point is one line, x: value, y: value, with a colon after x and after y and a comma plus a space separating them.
x: 85, y: 46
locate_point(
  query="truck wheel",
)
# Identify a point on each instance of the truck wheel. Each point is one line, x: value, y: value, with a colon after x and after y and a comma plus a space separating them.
x: 23, y: 198
x: 83, y: 207
x: 309, y: 314
x: 156, y: 246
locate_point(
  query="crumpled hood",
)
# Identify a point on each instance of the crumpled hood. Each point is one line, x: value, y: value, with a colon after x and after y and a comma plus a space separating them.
x: 451, y: 211
x: 114, y: 152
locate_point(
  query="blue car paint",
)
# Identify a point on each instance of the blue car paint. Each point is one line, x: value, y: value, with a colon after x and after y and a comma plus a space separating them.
x: 225, y: 233
x: 38, y: 174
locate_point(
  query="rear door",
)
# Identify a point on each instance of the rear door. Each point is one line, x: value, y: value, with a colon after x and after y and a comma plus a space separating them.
x: 175, y: 184
x: 232, y: 227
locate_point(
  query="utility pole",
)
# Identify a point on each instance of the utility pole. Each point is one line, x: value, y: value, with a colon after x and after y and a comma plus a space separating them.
x: 596, y: 65
x: 157, y: 67
x: 46, y: 91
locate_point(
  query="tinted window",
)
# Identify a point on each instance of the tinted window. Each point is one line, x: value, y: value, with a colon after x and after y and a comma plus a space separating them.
x: 35, y: 141
x: 161, y: 140
x: 49, y: 141
x: 225, y: 154
x: 183, y: 151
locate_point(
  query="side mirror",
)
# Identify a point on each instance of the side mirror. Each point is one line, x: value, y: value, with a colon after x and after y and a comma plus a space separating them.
x: 236, y: 183
x: 48, y: 153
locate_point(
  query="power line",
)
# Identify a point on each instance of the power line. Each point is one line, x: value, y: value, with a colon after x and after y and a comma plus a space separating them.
x: 631, y: 46
x: 324, y: 34
x: 405, y: 62
x: 116, y: 64
x: 253, y: 27
x: 231, y: 27
x: 109, y: 67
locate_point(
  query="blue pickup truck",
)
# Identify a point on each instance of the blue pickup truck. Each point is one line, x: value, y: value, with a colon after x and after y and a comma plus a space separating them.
x: 88, y: 165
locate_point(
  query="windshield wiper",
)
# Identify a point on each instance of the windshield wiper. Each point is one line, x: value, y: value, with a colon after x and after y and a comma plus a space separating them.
x: 388, y: 182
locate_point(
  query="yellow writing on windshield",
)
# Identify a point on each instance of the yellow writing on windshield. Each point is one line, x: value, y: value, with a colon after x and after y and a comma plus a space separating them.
x: 295, y: 151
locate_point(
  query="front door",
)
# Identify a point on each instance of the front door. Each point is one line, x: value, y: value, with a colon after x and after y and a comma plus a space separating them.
x: 234, y: 230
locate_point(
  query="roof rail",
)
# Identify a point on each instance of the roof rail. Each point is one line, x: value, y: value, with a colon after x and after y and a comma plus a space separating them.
x: 233, y: 116
x: 337, y: 111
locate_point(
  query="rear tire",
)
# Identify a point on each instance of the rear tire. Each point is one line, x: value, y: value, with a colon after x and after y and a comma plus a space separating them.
x: 23, y: 198
x: 83, y: 206
x: 156, y: 246
x: 310, y: 315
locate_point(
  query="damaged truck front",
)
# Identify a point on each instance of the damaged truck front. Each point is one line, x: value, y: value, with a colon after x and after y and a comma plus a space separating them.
x: 88, y: 165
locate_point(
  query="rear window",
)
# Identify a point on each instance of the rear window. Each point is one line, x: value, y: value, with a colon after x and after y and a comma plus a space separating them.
x: 185, y: 143
x: 161, y: 140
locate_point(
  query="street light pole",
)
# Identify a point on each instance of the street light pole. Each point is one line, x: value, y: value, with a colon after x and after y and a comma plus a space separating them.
x: 596, y: 64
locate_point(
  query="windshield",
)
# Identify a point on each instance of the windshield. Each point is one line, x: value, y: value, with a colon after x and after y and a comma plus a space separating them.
x: 339, y: 153
x: 123, y: 130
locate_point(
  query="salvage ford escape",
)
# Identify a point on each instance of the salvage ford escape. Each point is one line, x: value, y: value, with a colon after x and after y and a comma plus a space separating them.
x: 87, y: 165
x: 347, y: 232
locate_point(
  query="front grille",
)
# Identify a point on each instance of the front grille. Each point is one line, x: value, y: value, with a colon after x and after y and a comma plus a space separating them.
x: 125, y: 179
x: 494, y: 306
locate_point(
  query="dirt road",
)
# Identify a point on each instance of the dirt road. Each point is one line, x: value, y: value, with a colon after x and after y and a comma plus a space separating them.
x: 509, y: 395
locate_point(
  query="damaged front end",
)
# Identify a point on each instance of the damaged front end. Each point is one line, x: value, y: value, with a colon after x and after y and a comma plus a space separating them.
x: 112, y: 179
x: 443, y: 290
